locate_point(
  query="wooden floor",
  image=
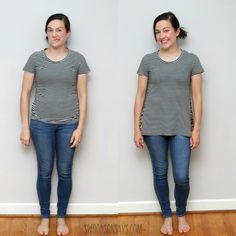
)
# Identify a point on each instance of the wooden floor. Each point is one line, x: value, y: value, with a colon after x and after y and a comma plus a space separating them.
x: 202, y: 224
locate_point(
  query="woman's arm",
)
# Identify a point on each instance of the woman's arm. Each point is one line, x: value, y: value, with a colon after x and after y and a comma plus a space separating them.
x: 27, y: 84
x: 197, y: 104
x: 139, y: 100
x: 82, y: 95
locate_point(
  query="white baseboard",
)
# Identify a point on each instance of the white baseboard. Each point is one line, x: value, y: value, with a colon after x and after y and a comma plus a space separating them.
x: 193, y: 205
x: 115, y: 208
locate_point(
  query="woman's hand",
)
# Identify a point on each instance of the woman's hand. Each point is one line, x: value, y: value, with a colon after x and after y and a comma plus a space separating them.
x: 75, y: 138
x: 138, y: 139
x: 25, y: 136
x: 138, y: 106
x: 27, y: 84
x: 195, y: 139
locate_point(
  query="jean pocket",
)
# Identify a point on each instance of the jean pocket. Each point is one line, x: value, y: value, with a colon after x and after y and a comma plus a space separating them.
x: 36, y: 124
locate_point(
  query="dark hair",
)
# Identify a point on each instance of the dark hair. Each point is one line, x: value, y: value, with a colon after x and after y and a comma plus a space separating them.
x: 58, y: 16
x: 174, y: 22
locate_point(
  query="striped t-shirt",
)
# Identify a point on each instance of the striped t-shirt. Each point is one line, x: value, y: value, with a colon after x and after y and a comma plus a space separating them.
x: 56, y: 99
x: 168, y: 105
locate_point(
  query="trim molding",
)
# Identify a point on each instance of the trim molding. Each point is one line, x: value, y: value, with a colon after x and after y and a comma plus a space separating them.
x: 120, y: 207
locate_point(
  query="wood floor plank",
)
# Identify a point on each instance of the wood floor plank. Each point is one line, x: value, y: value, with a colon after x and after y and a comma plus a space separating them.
x: 230, y: 221
x: 32, y: 224
x: 5, y: 225
x: 195, y: 222
x: 216, y: 224
x: 18, y: 227
x: 202, y: 224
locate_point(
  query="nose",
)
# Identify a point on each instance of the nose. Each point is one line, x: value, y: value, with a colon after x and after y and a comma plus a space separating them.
x: 162, y: 35
x: 54, y: 33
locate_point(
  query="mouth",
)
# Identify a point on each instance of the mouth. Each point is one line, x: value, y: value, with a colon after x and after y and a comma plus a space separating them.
x: 164, y: 41
x: 55, y: 40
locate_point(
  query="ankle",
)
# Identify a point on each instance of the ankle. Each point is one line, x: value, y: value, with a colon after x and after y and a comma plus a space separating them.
x: 181, y: 218
x: 44, y: 220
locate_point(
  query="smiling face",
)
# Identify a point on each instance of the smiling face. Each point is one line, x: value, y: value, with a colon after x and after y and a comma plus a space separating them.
x: 57, y: 34
x: 165, y: 34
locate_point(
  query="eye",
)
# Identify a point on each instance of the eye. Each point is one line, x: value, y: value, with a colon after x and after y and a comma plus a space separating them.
x: 59, y: 30
x: 166, y: 30
x: 49, y: 30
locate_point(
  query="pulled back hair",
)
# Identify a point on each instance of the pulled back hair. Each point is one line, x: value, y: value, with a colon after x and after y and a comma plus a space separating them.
x: 58, y: 16
x: 174, y: 22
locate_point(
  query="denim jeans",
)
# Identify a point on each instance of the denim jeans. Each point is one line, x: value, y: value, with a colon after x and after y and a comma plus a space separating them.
x: 180, y: 156
x: 52, y: 140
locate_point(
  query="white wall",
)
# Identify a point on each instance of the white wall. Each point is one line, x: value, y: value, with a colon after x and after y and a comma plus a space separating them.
x: 113, y: 36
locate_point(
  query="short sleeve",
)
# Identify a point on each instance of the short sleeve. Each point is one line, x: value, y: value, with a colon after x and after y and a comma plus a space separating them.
x: 143, y: 67
x: 197, y: 67
x: 30, y: 64
x: 83, y: 66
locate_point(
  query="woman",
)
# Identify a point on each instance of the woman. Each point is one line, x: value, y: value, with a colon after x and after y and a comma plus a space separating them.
x: 169, y: 87
x: 57, y: 115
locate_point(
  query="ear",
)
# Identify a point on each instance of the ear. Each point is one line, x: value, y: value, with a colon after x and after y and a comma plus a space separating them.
x: 68, y: 34
x: 177, y: 32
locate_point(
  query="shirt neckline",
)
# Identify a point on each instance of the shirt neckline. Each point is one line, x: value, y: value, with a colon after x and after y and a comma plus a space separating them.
x: 63, y: 59
x: 170, y: 62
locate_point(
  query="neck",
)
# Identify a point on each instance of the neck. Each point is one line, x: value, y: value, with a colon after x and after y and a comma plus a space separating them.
x: 60, y: 50
x: 170, y: 51
x: 56, y: 54
x: 171, y: 54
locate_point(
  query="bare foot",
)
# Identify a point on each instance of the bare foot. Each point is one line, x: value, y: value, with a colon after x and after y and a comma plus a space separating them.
x: 62, y: 228
x: 167, y: 228
x: 183, y: 225
x: 43, y: 227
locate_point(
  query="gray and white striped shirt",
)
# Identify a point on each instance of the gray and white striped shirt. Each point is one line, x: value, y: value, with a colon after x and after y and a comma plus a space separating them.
x: 56, y: 99
x: 168, y: 106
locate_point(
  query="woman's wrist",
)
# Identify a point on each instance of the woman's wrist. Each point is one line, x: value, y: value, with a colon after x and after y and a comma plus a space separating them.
x: 137, y: 130
x: 197, y: 130
x: 80, y: 128
x: 25, y: 126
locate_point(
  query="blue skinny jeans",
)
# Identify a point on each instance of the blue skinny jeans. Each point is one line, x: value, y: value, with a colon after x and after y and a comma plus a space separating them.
x: 180, y: 156
x: 50, y: 141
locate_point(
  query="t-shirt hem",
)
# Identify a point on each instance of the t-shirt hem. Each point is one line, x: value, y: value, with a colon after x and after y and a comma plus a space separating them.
x: 69, y: 121
x: 198, y: 72
x: 83, y: 72
x: 27, y: 70
x: 165, y: 133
